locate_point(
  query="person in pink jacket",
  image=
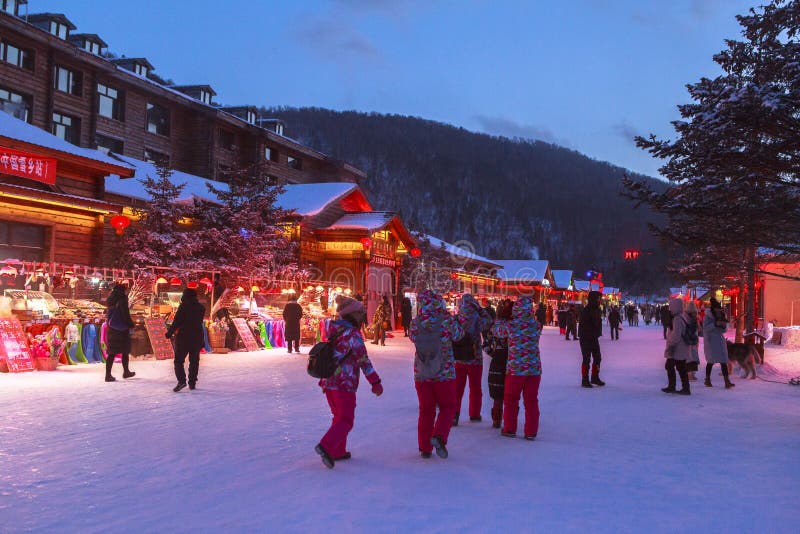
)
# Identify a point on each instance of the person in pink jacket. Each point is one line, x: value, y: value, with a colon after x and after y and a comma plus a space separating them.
x: 340, y: 389
x: 433, y: 332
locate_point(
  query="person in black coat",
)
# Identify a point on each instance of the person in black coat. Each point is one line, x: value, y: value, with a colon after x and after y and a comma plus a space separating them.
x: 292, y: 313
x: 541, y: 314
x: 666, y: 320
x: 188, y: 323
x: 118, y: 333
x: 572, y: 319
x: 405, y: 314
x: 589, y: 330
x: 614, y: 320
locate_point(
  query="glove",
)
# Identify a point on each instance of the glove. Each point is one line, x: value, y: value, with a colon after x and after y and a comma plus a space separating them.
x: 377, y: 389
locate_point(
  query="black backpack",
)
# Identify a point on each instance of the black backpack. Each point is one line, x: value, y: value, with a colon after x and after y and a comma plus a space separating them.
x: 464, y: 348
x: 322, y: 360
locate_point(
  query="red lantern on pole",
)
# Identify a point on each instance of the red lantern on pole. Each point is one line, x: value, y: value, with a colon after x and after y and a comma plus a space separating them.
x: 366, y: 243
x: 120, y: 223
x: 192, y: 285
x: 175, y: 281
x: 415, y: 252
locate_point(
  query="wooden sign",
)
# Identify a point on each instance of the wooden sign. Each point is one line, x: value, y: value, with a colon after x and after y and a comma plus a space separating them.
x: 26, y: 165
x: 14, y: 347
x: 246, y: 334
x: 157, y: 331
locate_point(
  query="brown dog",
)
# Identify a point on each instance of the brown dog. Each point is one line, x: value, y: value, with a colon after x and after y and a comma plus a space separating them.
x: 745, y: 355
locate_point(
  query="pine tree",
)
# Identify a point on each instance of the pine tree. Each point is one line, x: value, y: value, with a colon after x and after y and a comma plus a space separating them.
x: 243, y: 235
x: 736, y: 162
x: 157, y: 238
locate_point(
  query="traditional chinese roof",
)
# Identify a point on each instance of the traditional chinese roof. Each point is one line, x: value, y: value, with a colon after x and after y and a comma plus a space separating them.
x: 460, y: 252
x: 371, y: 221
x: 308, y: 200
x: 534, y: 271
x: 582, y: 285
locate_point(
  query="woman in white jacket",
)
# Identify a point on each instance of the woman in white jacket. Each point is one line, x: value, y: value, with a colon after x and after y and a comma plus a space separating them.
x: 677, y: 351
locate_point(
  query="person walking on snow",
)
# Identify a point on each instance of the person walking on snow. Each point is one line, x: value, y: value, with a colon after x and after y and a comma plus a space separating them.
x: 715, y: 347
x: 469, y: 367
x: 405, y: 314
x: 499, y: 354
x: 433, y: 332
x: 118, y: 333
x: 340, y: 389
x: 677, y: 350
x: 614, y: 320
x: 693, y: 363
x: 380, y: 321
x: 188, y: 323
x: 572, y: 322
x: 292, y: 313
x: 523, y: 370
x: 589, y: 331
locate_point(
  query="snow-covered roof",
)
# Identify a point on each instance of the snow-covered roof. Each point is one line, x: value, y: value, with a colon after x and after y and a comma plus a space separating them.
x: 529, y: 270
x: 562, y: 278
x: 582, y: 285
x: 194, y: 186
x: 311, y: 199
x: 20, y: 130
x: 455, y: 250
x: 608, y: 290
x: 370, y: 221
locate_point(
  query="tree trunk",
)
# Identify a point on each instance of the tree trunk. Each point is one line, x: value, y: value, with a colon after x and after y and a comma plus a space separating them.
x: 740, y: 308
x: 750, y: 303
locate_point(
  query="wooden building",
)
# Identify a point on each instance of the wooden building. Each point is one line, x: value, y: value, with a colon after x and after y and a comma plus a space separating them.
x: 526, y: 278
x: 64, y: 83
x: 52, y: 201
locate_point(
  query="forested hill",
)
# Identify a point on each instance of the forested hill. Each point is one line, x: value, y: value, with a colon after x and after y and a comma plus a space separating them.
x: 510, y: 198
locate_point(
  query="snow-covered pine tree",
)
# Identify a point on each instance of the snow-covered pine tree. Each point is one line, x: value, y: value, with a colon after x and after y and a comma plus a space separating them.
x: 156, y: 238
x: 242, y: 235
x: 735, y: 164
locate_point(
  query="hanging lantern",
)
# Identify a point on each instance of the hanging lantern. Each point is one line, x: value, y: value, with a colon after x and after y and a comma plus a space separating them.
x: 192, y: 285
x: 415, y: 252
x: 255, y: 289
x: 175, y: 281
x: 338, y: 289
x: 120, y: 223
x: 319, y: 288
x: 161, y: 280
x: 291, y: 291
x: 454, y: 276
x: 366, y: 243
x: 310, y: 288
x: 206, y: 280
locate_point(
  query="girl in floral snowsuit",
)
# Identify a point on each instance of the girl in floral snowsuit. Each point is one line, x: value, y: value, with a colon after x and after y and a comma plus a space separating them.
x: 523, y: 370
x: 340, y: 389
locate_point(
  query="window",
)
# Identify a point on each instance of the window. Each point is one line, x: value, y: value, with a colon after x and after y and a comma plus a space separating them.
x: 67, y: 128
x: 205, y: 97
x: 267, y: 153
x: 67, y: 81
x: 294, y: 163
x: 251, y: 117
x: 109, y: 104
x: 22, y: 241
x: 9, y: 6
x: 157, y: 119
x: 20, y: 57
x: 140, y: 69
x: 16, y: 104
x: 108, y: 144
x: 91, y: 46
x: 227, y: 139
x: 58, y: 29
x: 153, y: 156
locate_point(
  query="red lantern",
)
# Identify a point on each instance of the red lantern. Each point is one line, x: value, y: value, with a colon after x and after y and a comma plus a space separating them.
x: 206, y: 280
x: 175, y: 281
x: 415, y: 252
x: 454, y: 276
x: 119, y: 223
x: 192, y: 285
x: 366, y: 243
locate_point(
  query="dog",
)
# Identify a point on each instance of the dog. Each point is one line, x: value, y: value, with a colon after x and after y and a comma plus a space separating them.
x: 745, y: 355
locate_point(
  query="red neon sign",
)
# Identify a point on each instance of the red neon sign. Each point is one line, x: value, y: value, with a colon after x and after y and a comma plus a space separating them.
x: 27, y: 165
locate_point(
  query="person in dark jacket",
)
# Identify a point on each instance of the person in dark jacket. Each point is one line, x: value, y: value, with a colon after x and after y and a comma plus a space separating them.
x: 666, y: 319
x: 572, y: 319
x: 380, y: 321
x: 118, y: 334
x: 405, y: 314
x: 292, y: 313
x: 499, y: 353
x: 589, y: 330
x: 541, y: 314
x: 188, y: 323
x: 614, y: 320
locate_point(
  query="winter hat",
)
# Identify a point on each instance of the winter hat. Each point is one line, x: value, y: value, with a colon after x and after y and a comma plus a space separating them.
x: 594, y: 297
x: 715, y: 303
x: 691, y: 307
x: 676, y: 306
x: 188, y: 294
x: 348, y: 306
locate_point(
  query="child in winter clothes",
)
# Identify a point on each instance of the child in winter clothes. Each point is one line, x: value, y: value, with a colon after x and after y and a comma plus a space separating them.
x: 474, y: 320
x: 499, y: 354
x: 677, y: 352
x: 438, y: 390
x: 693, y: 363
x: 340, y: 389
x: 523, y: 370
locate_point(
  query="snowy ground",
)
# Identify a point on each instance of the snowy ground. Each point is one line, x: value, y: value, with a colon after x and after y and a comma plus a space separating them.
x: 80, y: 455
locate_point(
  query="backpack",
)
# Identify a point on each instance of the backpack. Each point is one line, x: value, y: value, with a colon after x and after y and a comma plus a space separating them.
x: 322, y: 361
x: 428, y: 358
x: 689, y: 335
x: 464, y: 348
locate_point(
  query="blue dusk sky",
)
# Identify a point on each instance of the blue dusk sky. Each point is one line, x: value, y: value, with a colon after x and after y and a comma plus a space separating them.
x: 585, y: 74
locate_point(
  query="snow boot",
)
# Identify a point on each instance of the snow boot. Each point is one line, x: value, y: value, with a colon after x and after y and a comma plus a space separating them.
x: 669, y: 389
x: 530, y: 438
x: 425, y: 454
x: 497, y: 414
x: 726, y: 377
x: 326, y: 458
x: 585, y: 376
x: 110, y: 378
x: 128, y: 374
x: 596, y: 375
x: 508, y: 434
x: 179, y: 387
x: 438, y: 444
x: 708, y: 383
x: 683, y: 391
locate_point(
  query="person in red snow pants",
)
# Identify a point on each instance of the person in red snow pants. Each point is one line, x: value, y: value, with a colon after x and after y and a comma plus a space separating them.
x: 528, y: 387
x: 473, y: 373
x: 430, y: 394
x: 343, y: 408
